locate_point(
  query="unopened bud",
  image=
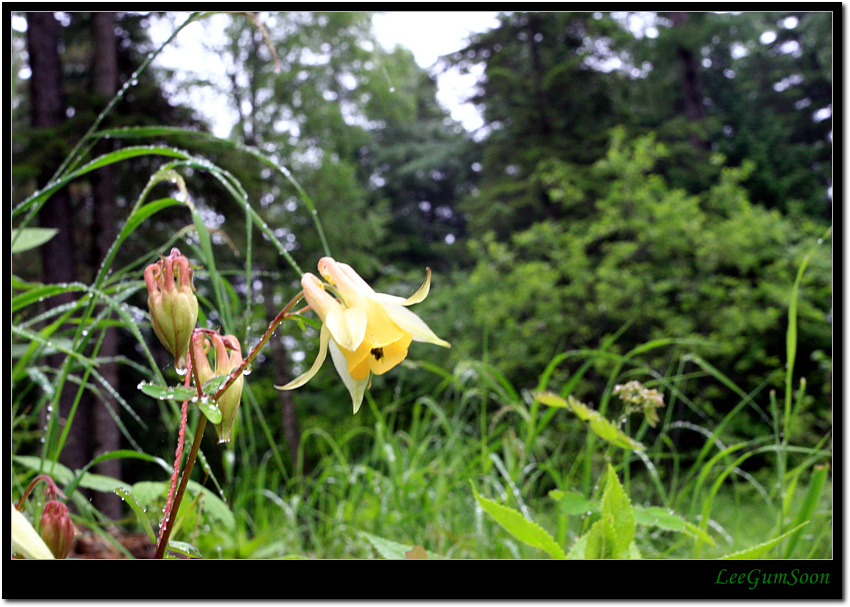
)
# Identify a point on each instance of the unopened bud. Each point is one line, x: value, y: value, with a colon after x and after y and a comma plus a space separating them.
x: 172, y: 303
x: 228, y: 357
x: 57, y: 530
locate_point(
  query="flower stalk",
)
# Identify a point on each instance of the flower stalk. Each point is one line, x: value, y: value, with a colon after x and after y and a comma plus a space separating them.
x: 174, y: 506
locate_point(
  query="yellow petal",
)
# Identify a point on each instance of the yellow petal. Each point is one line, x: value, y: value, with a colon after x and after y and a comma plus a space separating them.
x: 422, y: 292
x: 381, y: 330
x: 411, y: 323
x: 356, y: 387
x: 347, y: 326
x: 320, y: 300
x: 369, y: 358
x: 324, y: 338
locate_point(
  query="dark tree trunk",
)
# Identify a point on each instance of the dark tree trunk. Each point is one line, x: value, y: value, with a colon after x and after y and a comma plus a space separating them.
x: 691, y: 85
x: 282, y: 375
x: 48, y: 115
x: 106, y: 436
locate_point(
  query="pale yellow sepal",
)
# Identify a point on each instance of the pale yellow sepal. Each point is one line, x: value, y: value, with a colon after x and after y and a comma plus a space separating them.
x: 25, y: 539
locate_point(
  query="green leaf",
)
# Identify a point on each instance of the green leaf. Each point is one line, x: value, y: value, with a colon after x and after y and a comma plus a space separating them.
x: 30, y: 238
x: 210, y: 409
x: 655, y: 516
x: 59, y: 473
x: 573, y: 502
x: 179, y: 393
x: 389, y: 549
x: 758, y: 550
x: 520, y: 527
x: 137, y: 509
x: 211, y: 387
x: 599, y: 425
x: 617, y: 514
x: 600, y: 542
x: 185, y: 549
x: 810, y: 501
x: 63, y: 475
x: 214, y: 506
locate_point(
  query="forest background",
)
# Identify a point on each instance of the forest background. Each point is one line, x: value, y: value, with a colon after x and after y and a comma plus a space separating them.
x: 653, y: 194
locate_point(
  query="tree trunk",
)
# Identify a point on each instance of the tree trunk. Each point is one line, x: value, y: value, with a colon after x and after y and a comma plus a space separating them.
x: 691, y: 85
x: 48, y: 115
x: 106, y: 436
x: 282, y: 375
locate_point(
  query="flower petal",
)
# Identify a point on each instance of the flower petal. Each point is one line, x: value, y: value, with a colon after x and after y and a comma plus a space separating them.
x: 356, y: 388
x: 324, y: 338
x: 414, y: 325
x: 418, y: 297
x: 347, y: 326
x: 422, y: 292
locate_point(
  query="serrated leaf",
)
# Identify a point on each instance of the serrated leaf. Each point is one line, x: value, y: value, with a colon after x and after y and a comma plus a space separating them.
x: 600, y: 541
x: 655, y: 516
x: 757, y: 551
x: 520, y: 527
x: 579, y: 549
x: 617, y: 514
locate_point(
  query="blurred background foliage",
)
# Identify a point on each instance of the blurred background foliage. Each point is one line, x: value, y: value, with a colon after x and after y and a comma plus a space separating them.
x: 652, y: 182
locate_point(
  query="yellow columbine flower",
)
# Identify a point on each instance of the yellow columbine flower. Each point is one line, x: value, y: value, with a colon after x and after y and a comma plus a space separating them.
x: 366, y: 332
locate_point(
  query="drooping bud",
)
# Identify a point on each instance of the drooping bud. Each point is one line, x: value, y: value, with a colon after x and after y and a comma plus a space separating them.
x: 57, y: 530
x: 172, y: 304
x: 228, y: 357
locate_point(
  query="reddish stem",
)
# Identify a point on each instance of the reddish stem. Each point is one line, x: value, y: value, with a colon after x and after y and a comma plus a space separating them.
x: 178, y: 457
x: 167, y: 522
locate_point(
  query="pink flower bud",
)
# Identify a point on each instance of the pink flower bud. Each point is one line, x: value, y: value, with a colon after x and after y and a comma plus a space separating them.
x: 228, y: 357
x: 57, y: 530
x: 172, y: 304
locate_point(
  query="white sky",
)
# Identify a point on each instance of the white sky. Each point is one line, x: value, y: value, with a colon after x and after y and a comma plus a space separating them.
x: 428, y: 34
